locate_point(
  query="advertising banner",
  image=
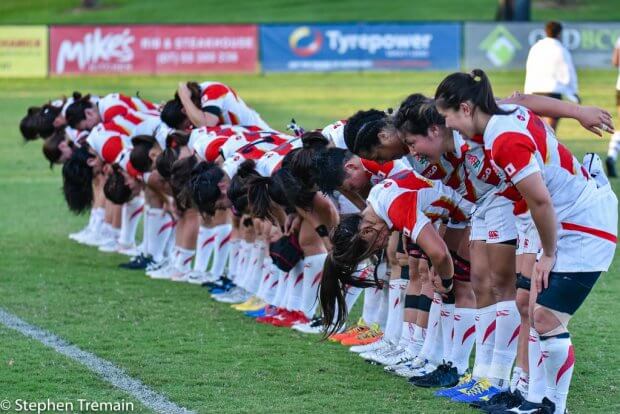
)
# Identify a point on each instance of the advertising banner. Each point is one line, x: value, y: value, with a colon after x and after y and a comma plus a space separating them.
x: 153, y: 49
x: 364, y: 46
x: 23, y: 51
x: 506, y: 45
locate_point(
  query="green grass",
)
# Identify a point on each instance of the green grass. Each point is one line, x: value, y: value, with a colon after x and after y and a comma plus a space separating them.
x: 269, y: 11
x: 200, y: 354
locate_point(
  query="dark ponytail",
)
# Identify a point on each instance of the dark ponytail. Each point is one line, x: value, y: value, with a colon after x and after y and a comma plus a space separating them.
x: 39, y: 122
x: 139, y: 156
x: 361, y: 132
x: 203, y: 186
x: 348, y: 251
x: 474, y: 87
x: 330, y: 172
x: 77, y: 181
x: 180, y: 175
x: 238, y: 189
x: 195, y: 93
x: 76, y: 112
x: 417, y: 114
x: 115, y: 189
x: 172, y: 112
x: 51, y: 146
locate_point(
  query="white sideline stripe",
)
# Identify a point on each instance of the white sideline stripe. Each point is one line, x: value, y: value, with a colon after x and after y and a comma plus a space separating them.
x: 110, y: 372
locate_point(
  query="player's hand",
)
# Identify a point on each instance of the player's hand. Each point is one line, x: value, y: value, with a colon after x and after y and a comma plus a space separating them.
x: 183, y: 90
x: 595, y: 120
x: 292, y: 224
x: 541, y: 271
x: 437, y: 283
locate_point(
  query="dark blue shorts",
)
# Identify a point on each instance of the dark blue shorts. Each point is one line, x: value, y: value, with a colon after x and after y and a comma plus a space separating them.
x: 567, y: 291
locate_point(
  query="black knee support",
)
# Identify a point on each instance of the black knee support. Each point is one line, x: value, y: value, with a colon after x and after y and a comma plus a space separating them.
x: 412, y: 301
x: 424, y: 303
x: 404, y: 272
x: 523, y: 282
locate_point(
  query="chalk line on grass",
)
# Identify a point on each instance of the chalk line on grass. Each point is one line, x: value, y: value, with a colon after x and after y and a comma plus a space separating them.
x: 107, y: 370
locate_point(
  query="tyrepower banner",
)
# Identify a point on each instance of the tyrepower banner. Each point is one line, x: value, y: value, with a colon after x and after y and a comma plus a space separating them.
x: 23, y: 51
x: 363, y: 46
x: 506, y: 45
x: 153, y: 49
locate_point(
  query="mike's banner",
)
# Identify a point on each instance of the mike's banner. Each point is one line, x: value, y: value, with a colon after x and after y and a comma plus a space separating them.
x: 153, y: 49
x: 506, y: 45
x: 364, y: 46
x: 23, y: 51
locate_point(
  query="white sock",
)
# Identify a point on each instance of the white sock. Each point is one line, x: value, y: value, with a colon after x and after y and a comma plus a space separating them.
x: 396, y: 300
x: 183, y: 259
x: 447, y: 329
x: 160, y: 226
x: 433, y: 345
x: 205, y: 244
x: 353, y: 294
x: 98, y: 219
x: 130, y: 218
x: 514, y: 379
x: 372, y: 302
x: 295, y: 287
x: 559, y: 364
x: 271, y: 279
x: 537, y: 378
x: 384, y: 304
x: 508, y: 323
x: 464, y: 338
x: 614, y: 145
x: 222, y: 244
x: 406, y: 334
x: 313, y: 270
x: 245, y: 250
x: 485, y: 341
x: 233, y: 257
x: 279, y: 300
x: 417, y: 342
x: 255, y: 268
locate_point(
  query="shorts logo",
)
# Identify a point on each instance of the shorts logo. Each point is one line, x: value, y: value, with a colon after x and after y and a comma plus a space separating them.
x: 493, y: 234
x: 407, y: 232
x: 510, y: 169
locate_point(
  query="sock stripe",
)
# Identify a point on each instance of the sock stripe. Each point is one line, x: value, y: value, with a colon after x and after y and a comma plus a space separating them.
x: 515, y: 334
x: 469, y: 332
x: 166, y: 226
x: 317, y: 278
x: 568, y: 363
x: 209, y: 240
x: 136, y: 213
x: 225, y: 240
x: 490, y: 329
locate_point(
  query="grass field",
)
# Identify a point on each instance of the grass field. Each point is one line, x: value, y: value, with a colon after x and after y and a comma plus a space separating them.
x: 270, y: 11
x: 202, y: 355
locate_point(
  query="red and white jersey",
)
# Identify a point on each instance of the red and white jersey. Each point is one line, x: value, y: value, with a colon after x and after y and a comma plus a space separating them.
x: 108, y: 143
x: 117, y: 104
x: 521, y: 144
x: 272, y: 160
x: 76, y: 136
x: 253, y: 151
x: 128, y: 123
x: 335, y: 133
x: 64, y: 103
x: 478, y: 174
x: 210, y: 142
x: 377, y: 172
x: 231, y: 108
x: 408, y: 201
x: 447, y: 170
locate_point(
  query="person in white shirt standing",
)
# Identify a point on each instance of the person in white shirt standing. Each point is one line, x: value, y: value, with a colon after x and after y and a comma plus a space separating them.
x: 549, y: 70
x: 614, y: 142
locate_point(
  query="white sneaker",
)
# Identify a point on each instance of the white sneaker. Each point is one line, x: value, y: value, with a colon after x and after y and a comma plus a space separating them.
x: 79, y: 234
x: 237, y: 295
x: 196, y: 277
x: 95, y: 239
x: 163, y: 273
x: 358, y: 349
x: 109, y: 246
x: 405, y: 358
x: 409, y: 368
x: 378, y: 354
x: 315, y: 326
x: 391, y: 358
x: 179, y: 276
x: 128, y: 250
x: 154, y: 266
x: 427, y: 368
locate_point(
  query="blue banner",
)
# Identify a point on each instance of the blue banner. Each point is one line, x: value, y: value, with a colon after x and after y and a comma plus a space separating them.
x: 364, y: 46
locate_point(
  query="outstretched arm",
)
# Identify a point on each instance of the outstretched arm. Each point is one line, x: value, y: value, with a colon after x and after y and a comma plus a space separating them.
x: 592, y: 118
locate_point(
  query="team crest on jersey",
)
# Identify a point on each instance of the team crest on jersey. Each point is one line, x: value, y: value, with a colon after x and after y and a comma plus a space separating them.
x: 520, y: 117
x: 387, y: 184
x: 473, y: 160
x: 510, y: 169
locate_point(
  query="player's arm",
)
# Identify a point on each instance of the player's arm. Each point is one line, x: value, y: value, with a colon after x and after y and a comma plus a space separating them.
x: 196, y: 115
x: 436, y: 249
x: 615, y: 57
x: 592, y: 118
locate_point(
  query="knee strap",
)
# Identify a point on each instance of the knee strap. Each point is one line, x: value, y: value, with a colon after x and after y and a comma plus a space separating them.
x: 462, y: 268
x: 412, y: 301
x: 424, y: 303
x: 523, y: 282
x: 404, y: 272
